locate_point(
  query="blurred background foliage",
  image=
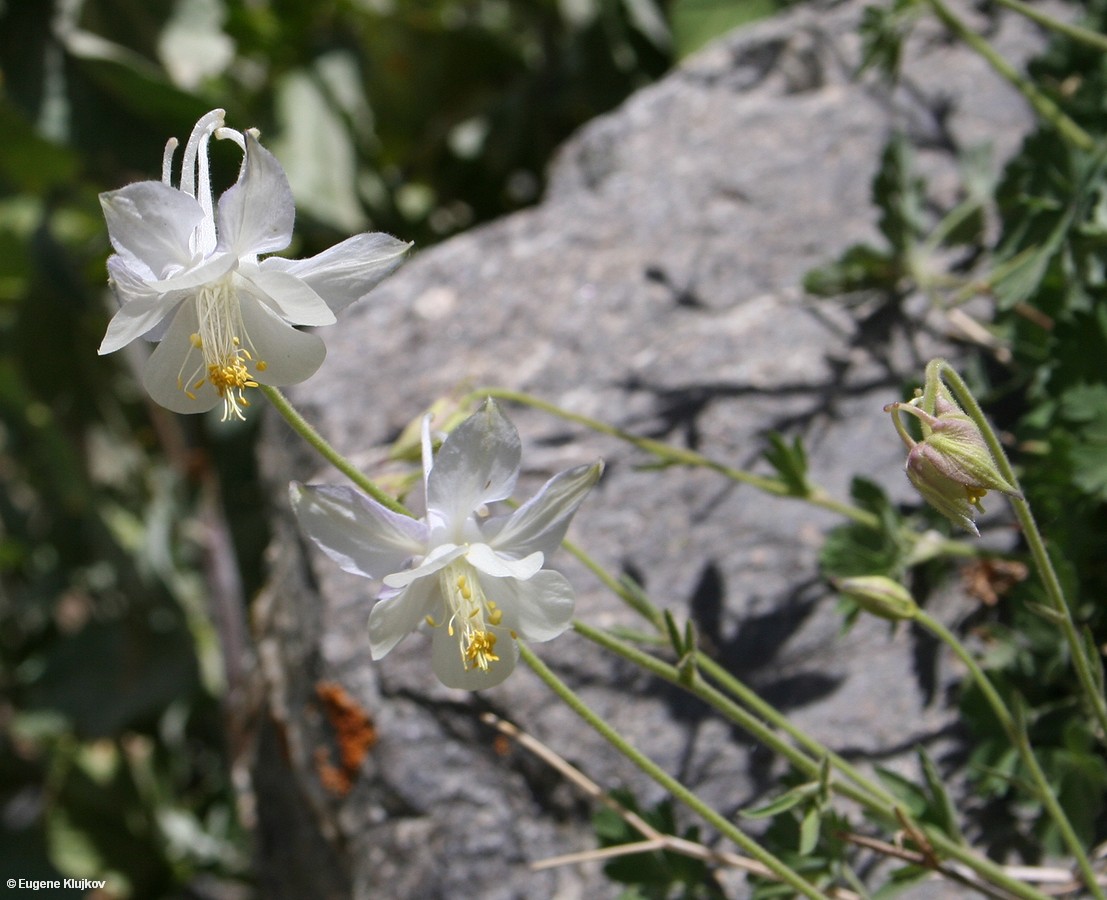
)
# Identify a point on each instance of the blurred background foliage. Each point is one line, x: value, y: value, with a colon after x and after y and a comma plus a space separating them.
x: 130, y: 538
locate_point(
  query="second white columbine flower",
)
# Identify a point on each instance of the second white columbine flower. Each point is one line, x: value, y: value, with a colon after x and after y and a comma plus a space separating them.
x: 478, y: 580
x: 187, y: 273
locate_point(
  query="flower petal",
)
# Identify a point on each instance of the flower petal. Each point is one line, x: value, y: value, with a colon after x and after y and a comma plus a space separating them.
x: 450, y: 668
x: 540, y: 523
x: 394, y: 617
x: 289, y: 296
x: 176, y: 364
x: 538, y: 609
x: 289, y: 356
x: 440, y: 557
x: 488, y: 561
x: 359, y: 534
x: 478, y: 463
x: 150, y: 223
x: 140, y: 309
x: 347, y: 271
x: 256, y: 213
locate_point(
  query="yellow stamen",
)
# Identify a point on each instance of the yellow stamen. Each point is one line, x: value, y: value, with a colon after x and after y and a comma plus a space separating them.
x: 469, y: 610
x: 226, y: 348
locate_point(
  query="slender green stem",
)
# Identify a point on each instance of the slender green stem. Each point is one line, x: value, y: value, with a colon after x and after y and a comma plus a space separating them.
x: 1052, y: 584
x: 684, y: 457
x: 663, y: 778
x: 1044, y: 106
x: 870, y: 797
x: 1018, y: 736
x: 1076, y: 32
x: 862, y: 791
x: 301, y: 426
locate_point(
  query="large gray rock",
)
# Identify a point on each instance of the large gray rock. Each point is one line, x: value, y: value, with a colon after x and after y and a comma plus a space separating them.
x: 657, y: 288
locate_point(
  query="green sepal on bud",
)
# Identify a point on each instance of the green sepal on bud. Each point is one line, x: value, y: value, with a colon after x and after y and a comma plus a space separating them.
x: 951, y: 467
x: 880, y: 596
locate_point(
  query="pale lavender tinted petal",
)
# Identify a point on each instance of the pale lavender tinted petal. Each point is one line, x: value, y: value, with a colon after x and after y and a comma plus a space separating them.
x: 290, y: 356
x: 256, y: 213
x: 478, y: 463
x: 150, y: 223
x: 289, y: 296
x: 395, y: 617
x: 540, y: 523
x: 448, y: 665
x: 347, y: 271
x: 355, y: 531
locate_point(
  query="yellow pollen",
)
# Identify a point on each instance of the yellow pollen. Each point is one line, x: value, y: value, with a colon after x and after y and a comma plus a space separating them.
x: 975, y: 495
x: 480, y: 649
x: 471, y: 615
x: 262, y: 365
x: 226, y: 349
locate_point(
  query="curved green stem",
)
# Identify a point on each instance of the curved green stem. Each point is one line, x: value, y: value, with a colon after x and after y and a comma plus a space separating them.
x: 663, y: 778
x: 1054, y: 592
x: 1046, y: 109
x: 1018, y: 736
x: 1075, y: 32
x: 870, y: 796
x: 684, y: 457
x: 301, y: 426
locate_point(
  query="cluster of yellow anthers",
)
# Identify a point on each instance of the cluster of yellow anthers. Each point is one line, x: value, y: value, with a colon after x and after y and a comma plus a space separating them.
x: 468, y: 608
x: 228, y: 374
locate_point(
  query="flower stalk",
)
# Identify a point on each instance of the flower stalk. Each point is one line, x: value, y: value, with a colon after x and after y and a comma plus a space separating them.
x: 939, y: 369
x: 679, y: 791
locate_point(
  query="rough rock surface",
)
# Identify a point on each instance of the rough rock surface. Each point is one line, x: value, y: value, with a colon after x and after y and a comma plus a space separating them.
x: 657, y: 288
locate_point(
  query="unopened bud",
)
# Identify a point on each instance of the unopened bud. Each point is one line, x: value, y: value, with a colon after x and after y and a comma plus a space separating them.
x: 951, y: 466
x: 880, y: 596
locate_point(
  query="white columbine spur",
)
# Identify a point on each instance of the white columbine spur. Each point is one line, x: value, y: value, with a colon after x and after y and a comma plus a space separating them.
x: 475, y: 578
x: 186, y: 273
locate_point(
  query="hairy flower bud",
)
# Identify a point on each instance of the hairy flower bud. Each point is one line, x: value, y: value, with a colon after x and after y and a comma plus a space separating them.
x: 951, y: 467
x: 880, y: 596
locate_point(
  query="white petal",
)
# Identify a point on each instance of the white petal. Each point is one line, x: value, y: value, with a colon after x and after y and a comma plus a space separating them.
x: 140, y: 309
x: 448, y: 665
x: 256, y: 213
x: 491, y: 563
x: 538, y: 609
x: 540, y: 523
x: 394, y: 617
x: 289, y: 296
x: 150, y: 222
x: 347, y: 271
x: 355, y: 531
x: 440, y: 557
x: 290, y: 356
x: 176, y: 363
x: 478, y: 463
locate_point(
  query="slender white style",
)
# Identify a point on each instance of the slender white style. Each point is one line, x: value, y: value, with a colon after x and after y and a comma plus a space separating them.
x: 478, y: 580
x: 186, y: 273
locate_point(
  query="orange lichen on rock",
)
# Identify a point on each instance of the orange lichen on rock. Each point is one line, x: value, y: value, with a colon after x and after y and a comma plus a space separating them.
x: 355, y: 735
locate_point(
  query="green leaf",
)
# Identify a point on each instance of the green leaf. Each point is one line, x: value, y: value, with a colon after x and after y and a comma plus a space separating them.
x: 790, y: 462
x: 855, y: 549
x: 784, y: 802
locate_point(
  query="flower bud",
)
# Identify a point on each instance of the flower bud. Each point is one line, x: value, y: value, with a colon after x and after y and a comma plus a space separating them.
x: 880, y: 596
x: 951, y: 467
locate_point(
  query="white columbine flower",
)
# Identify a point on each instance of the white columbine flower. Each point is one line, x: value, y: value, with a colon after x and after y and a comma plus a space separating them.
x: 477, y: 579
x: 186, y: 273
